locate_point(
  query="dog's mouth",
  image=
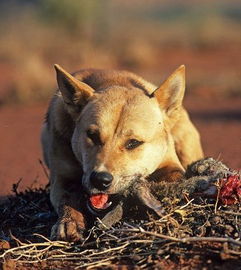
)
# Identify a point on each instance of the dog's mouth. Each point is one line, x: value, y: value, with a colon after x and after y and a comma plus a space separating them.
x: 102, y: 202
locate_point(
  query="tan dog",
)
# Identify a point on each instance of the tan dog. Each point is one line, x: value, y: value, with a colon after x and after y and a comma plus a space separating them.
x: 103, y: 130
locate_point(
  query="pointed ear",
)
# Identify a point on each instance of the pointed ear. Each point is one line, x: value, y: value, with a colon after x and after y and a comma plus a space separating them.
x: 74, y: 92
x: 170, y: 93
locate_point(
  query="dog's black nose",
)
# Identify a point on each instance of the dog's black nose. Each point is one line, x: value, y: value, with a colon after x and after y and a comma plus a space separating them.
x: 101, y: 180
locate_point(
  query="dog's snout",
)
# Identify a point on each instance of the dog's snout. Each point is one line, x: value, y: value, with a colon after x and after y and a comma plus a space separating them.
x: 101, y: 180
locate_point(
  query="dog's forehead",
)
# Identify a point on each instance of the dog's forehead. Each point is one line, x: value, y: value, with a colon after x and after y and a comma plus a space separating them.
x: 128, y: 110
x: 129, y: 103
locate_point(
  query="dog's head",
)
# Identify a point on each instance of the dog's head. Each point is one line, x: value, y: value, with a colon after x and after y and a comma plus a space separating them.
x: 120, y: 134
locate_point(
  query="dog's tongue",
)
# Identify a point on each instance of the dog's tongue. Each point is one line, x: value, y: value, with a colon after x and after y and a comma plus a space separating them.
x: 99, y: 200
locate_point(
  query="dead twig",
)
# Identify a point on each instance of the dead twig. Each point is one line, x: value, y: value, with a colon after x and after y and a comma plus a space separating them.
x: 186, y: 239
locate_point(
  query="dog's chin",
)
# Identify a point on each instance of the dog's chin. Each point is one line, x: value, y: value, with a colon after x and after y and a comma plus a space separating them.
x: 101, y: 203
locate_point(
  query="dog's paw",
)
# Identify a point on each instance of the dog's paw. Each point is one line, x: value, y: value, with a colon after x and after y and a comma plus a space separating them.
x: 67, y: 229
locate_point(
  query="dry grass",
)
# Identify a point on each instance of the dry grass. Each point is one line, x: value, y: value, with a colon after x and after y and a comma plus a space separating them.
x: 190, y: 234
x: 190, y: 231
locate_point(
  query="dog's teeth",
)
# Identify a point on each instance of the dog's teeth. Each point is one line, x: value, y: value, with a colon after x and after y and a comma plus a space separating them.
x: 95, y: 211
x: 108, y: 204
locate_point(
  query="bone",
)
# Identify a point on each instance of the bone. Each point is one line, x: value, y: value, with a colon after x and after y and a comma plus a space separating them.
x: 112, y: 217
x: 143, y: 193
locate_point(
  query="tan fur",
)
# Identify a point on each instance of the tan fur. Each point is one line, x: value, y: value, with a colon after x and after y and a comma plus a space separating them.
x: 119, y: 106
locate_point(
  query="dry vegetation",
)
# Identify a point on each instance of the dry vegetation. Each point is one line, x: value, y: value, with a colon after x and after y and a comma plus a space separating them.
x: 190, y: 233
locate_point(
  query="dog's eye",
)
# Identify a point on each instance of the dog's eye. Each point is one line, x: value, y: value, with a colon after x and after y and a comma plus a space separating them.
x: 132, y: 143
x: 94, y: 135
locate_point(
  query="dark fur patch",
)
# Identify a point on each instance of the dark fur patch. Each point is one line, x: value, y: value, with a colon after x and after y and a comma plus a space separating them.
x: 139, y: 85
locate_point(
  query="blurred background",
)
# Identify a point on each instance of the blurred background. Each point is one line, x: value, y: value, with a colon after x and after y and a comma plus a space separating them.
x: 150, y: 38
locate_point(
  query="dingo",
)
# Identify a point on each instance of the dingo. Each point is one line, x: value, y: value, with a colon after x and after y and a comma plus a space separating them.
x: 103, y: 130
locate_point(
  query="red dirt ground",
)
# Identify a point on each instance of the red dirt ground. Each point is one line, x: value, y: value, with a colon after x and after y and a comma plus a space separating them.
x: 20, y: 146
x: 219, y: 122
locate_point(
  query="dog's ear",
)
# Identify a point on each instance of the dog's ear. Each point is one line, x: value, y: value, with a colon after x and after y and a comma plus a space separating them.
x: 170, y: 93
x: 74, y: 92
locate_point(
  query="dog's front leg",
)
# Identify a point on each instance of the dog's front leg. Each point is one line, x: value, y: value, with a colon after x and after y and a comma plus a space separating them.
x: 170, y: 170
x: 169, y: 173
x: 67, y: 199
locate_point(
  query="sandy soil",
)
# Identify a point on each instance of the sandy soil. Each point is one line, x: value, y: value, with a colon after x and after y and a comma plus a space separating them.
x: 20, y: 146
x: 219, y: 122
